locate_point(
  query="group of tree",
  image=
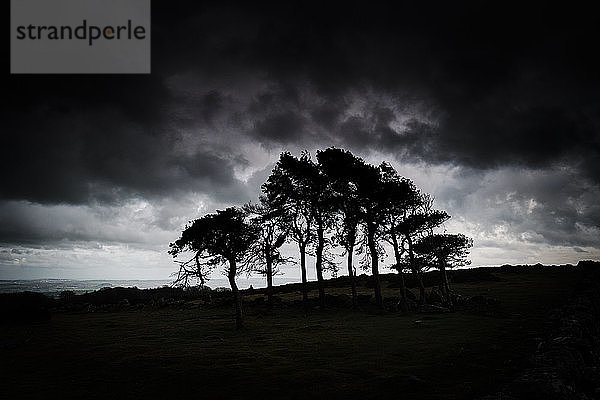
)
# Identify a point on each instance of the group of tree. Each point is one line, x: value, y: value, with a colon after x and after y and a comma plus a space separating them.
x: 337, y: 200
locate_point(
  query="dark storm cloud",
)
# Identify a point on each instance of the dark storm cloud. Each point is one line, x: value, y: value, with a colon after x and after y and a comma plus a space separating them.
x: 543, y: 206
x: 61, y: 226
x: 282, y: 128
x: 508, y: 84
x: 100, y: 155
x: 476, y: 85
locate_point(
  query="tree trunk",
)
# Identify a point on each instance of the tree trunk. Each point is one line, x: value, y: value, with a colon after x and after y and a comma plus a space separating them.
x: 269, y: 281
x: 199, y: 273
x: 403, y: 303
x: 237, y: 298
x: 351, y: 274
x: 421, y: 288
x: 375, y: 268
x: 442, y: 285
x: 269, y: 271
x: 303, y: 271
x: 319, y: 265
x: 446, y: 286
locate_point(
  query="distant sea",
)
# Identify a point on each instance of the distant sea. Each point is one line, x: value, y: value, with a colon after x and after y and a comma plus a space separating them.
x: 53, y: 287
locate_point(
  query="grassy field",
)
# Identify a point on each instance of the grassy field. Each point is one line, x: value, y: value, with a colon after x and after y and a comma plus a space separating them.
x: 285, y: 353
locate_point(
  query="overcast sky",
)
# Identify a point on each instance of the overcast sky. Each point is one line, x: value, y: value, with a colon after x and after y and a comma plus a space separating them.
x: 494, y: 108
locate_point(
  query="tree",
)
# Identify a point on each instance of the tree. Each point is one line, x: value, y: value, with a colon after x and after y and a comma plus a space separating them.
x: 420, y: 221
x: 298, y: 185
x: 271, y: 224
x: 322, y: 208
x: 284, y: 191
x: 445, y: 251
x: 340, y: 167
x: 220, y: 239
x: 399, y: 195
x: 371, y: 198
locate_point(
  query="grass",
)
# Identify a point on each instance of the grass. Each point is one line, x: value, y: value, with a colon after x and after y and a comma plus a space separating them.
x: 285, y: 353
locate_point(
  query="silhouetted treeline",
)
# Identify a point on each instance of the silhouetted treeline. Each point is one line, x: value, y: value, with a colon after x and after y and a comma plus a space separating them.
x: 334, y: 201
x: 337, y: 200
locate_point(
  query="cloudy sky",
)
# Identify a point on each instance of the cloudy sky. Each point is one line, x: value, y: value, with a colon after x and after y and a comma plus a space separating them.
x: 494, y: 108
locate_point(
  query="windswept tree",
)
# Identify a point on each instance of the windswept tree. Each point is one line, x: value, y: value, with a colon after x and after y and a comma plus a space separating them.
x: 445, y: 251
x: 220, y: 239
x: 420, y: 221
x: 284, y: 190
x: 341, y: 169
x: 399, y: 195
x: 371, y: 197
x: 323, y: 212
x: 297, y: 184
x: 272, y: 226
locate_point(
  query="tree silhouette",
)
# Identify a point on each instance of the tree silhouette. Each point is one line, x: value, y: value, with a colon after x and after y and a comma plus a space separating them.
x: 284, y: 190
x: 338, y: 200
x: 297, y: 184
x: 323, y: 210
x: 399, y: 195
x: 272, y: 224
x: 220, y: 239
x: 420, y: 221
x: 444, y: 251
x: 373, y: 206
x: 341, y: 169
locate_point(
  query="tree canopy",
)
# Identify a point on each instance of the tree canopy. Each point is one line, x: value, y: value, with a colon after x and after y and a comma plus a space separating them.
x: 336, y: 200
x: 220, y: 239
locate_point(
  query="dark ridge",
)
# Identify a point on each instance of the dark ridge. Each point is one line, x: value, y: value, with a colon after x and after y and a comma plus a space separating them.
x: 430, y: 278
x: 25, y: 307
x: 29, y: 306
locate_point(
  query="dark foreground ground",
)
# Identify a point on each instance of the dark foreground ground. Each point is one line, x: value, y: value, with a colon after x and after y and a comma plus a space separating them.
x: 189, y: 348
